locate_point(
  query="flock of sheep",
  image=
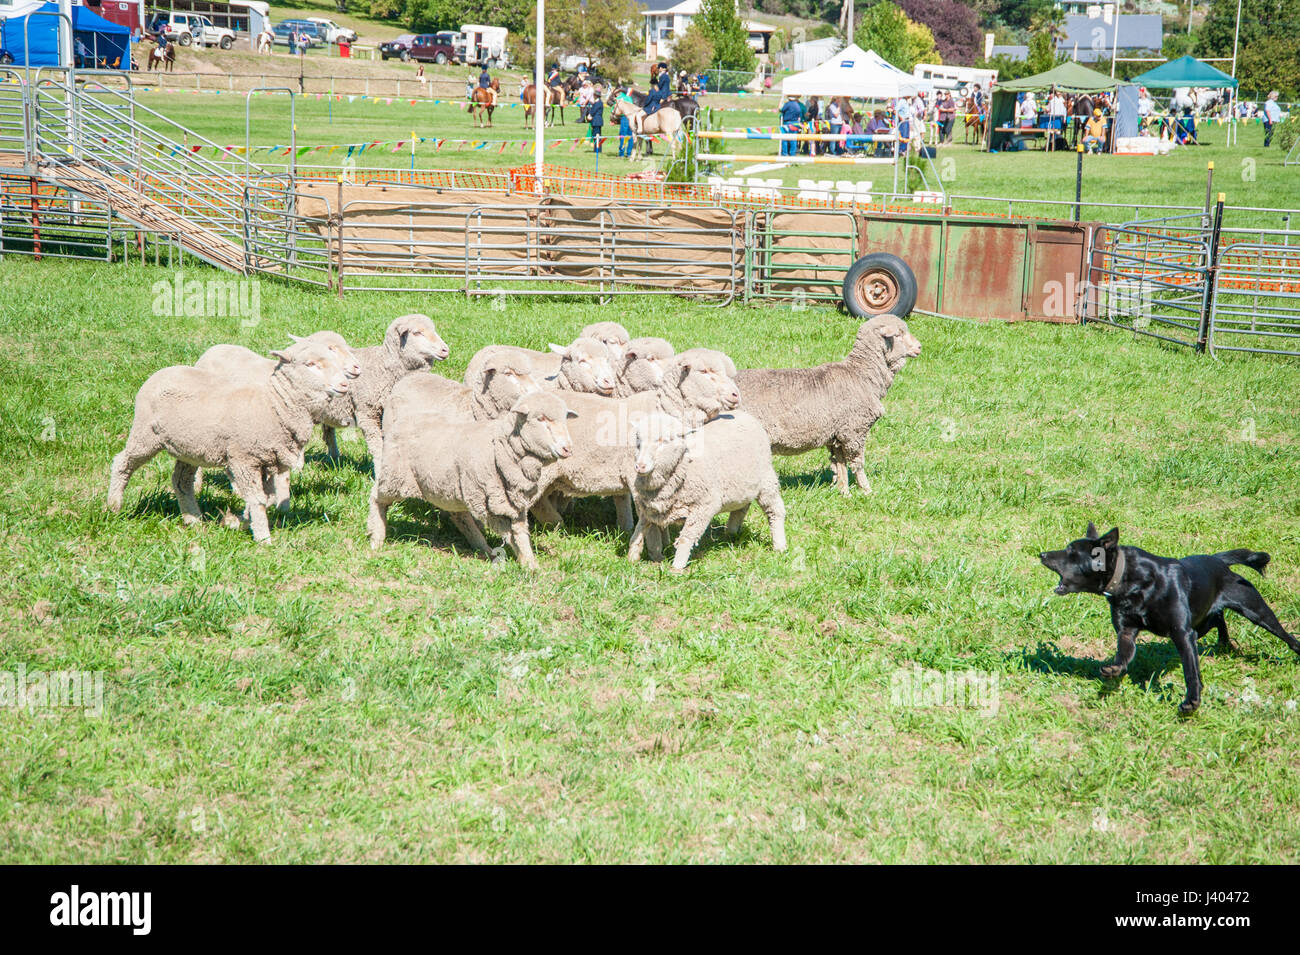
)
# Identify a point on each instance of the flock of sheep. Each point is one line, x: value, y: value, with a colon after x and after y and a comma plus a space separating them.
x: 674, y: 438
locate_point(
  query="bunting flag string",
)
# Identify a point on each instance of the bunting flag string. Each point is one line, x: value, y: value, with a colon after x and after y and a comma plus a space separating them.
x: 393, y: 145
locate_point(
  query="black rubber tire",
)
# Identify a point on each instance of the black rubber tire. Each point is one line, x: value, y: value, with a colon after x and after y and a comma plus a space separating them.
x: 186, y: 39
x: 226, y: 43
x: 440, y: 59
x: 880, y: 283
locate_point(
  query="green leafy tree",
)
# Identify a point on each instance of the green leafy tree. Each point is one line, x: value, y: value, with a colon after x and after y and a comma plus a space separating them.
x: 718, y: 21
x: 1272, y: 63
x: 883, y: 28
x: 693, y: 51
x: 1042, y: 54
x: 921, y: 47
x: 430, y: 16
x: 606, y: 31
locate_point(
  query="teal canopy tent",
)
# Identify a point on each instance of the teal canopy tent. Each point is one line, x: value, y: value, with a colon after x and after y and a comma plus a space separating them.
x: 1184, y: 71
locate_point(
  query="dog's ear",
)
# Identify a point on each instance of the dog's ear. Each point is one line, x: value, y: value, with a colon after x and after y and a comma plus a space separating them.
x: 1110, y: 538
x: 1091, y: 532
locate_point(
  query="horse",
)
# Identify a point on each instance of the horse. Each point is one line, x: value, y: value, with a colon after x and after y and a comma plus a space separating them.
x: 484, y: 98
x: 528, y: 96
x: 665, y: 121
x: 162, y: 57
x: 686, y: 106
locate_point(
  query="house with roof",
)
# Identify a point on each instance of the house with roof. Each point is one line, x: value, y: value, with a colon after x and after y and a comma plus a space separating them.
x: 666, y: 20
x: 1091, y: 38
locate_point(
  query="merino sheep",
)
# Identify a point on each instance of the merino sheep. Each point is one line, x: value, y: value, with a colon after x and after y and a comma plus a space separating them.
x: 505, y: 379
x: 235, y: 361
x: 487, y: 472
x: 546, y: 364
x: 585, y: 365
x: 251, y: 426
x: 411, y: 344
x: 833, y: 405
x: 698, y: 385
x: 686, y: 476
x: 642, y: 369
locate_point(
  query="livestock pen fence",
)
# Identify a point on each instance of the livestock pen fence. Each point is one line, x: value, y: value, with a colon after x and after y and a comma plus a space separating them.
x: 87, y: 171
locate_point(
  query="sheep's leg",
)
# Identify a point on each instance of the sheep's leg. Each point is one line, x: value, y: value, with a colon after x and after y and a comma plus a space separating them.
x: 638, y: 539
x: 466, y: 524
x: 736, y: 520
x: 769, y: 499
x: 139, y: 450
x: 856, y: 452
x: 248, y: 485
x: 839, y: 472
x: 545, y: 511
x: 280, y: 490
x: 331, y: 442
x: 183, y: 487
x: 377, y: 519
x: 521, y: 544
x: 374, y: 435
x: 692, y: 531
x: 654, y: 541
x: 623, y: 507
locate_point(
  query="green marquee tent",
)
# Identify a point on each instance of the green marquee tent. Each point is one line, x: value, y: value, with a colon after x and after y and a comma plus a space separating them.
x: 1069, y: 77
x: 1184, y: 71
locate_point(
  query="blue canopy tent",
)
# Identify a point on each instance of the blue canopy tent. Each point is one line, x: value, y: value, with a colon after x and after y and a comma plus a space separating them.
x: 96, y: 43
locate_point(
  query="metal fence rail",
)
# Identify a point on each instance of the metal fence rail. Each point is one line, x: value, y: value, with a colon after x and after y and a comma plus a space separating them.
x: 52, y: 223
x: 1255, y: 302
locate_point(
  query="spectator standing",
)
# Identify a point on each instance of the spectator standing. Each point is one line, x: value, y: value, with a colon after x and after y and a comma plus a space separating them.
x: 1028, y: 111
x: 625, y: 135
x: 947, y: 109
x: 596, y: 116
x: 835, y: 117
x: 792, y: 114
x: 1056, y: 110
x: 1272, y: 116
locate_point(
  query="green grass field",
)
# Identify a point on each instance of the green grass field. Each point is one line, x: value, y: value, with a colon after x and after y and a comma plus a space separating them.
x: 1247, y: 174
x: 313, y: 701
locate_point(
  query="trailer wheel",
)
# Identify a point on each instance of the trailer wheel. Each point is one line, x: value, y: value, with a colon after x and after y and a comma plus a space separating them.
x: 880, y: 284
x: 227, y: 43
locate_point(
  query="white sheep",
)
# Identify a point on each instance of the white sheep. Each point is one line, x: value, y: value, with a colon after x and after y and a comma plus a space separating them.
x: 833, y: 405
x: 236, y: 361
x: 644, y: 361
x: 687, y: 475
x: 484, y: 472
x: 698, y: 384
x: 505, y: 379
x: 585, y: 365
x: 251, y: 426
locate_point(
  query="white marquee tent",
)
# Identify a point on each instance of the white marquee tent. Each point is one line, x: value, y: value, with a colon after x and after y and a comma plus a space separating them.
x: 856, y: 73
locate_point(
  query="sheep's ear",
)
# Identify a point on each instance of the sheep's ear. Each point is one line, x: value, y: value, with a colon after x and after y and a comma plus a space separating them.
x: 559, y: 349
x: 517, y: 407
x: 1091, y: 532
x: 570, y: 413
x: 279, y: 356
x: 889, y: 342
x: 296, y: 338
x: 731, y: 367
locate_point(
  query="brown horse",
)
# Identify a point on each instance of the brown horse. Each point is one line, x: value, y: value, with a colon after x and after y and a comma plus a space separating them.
x: 554, y: 98
x: 484, y: 99
x: 162, y: 57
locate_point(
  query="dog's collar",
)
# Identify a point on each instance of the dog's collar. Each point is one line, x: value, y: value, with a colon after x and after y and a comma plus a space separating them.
x: 1116, y: 575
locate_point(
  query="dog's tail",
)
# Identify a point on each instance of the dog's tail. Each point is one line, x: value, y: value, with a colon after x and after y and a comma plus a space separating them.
x: 1257, y: 560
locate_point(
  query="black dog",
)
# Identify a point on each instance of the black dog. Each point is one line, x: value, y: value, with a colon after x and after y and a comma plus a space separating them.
x: 1178, y: 599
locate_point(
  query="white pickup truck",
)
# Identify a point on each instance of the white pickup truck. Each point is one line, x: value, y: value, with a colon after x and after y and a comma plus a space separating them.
x: 333, y: 32
x: 192, y: 28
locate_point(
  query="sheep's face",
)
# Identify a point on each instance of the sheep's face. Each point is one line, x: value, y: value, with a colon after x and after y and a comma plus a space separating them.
x: 315, y: 366
x: 707, y: 381
x: 335, y: 343
x: 541, y: 421
x: 895, y: 340
x: 588, y: 366
x: 610, y: 334
x: 418, y: 342
x: 659, y: 440
x: 505, y: 381
x: 645, y: 362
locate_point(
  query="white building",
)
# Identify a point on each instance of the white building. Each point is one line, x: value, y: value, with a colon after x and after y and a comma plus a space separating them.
x: 665, y: 20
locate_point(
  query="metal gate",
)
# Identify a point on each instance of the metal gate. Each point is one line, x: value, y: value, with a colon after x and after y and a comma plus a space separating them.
x: 1255, y: 304
x: 798, y: 256
x: 1152, y: 277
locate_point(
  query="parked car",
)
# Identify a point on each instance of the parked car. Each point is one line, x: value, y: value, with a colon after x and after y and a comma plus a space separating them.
x: 427, y: 48
x: 191, y: 28
x: 399, y: 47
x: 334, y: 32
x: 283, y: 32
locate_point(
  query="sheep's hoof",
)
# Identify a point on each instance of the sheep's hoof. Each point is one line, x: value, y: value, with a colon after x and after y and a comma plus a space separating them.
x: 189, y: 520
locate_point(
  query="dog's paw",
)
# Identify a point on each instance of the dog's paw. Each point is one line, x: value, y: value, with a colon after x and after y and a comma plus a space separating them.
x: 1112, y: 671
x: 1188, y: 707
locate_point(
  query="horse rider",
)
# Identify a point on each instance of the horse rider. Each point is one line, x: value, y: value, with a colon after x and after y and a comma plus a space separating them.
x: 485, y: 83
x: 660, y: 90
